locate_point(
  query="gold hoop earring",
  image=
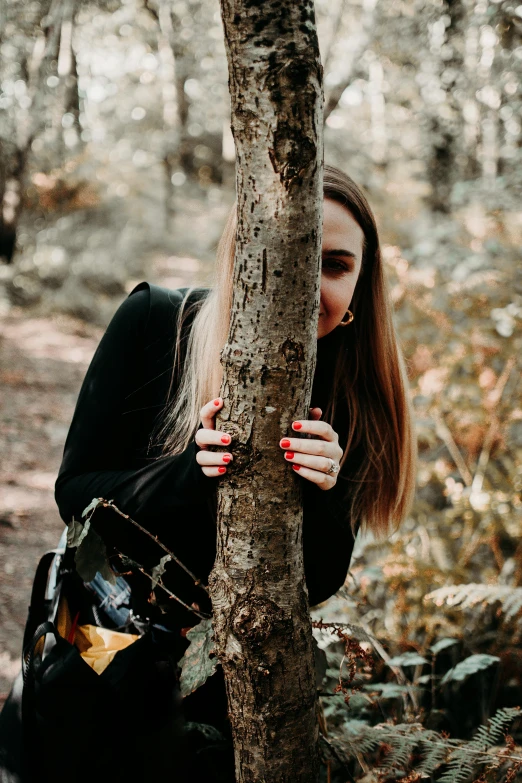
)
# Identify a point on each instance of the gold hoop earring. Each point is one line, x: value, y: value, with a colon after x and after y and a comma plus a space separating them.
x: 348, y: 318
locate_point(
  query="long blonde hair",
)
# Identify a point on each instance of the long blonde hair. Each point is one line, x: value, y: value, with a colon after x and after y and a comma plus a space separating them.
x: 369, y: 387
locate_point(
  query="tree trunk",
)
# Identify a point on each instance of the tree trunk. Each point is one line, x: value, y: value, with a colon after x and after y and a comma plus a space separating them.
x: 184, y: 67
x: 44, y: 106
x: 442, y: 121
x: 354, y: 52
x: 261, y: 617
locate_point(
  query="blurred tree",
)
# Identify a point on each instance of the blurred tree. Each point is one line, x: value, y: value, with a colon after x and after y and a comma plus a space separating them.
x: 442, y: 62
x: 42, y: 58
x: 352, y: 54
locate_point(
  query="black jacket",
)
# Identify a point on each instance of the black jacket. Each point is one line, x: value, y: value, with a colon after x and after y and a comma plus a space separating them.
x: 107, y: 454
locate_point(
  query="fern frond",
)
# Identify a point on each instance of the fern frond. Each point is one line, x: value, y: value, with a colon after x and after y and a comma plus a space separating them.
x: 405, y: 740
x: 470, y: 595
x: 401, y: 750
x: 434, y: 752
x: 491, y: 733
x: 466, y: 758
x: 470, y: 665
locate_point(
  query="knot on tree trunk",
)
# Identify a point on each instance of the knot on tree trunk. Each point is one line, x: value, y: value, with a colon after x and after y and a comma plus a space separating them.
x: 293, y: 352
x: 256, y: 618
x: 292, y: 153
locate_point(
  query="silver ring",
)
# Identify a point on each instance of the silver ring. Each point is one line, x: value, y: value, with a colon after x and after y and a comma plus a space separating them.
x: 333, y: 469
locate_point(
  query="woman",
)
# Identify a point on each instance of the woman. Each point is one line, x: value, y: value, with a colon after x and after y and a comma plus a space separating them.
x: 145, y: 419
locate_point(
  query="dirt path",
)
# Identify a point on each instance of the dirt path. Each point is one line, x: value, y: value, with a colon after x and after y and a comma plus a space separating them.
x: 42, y: 364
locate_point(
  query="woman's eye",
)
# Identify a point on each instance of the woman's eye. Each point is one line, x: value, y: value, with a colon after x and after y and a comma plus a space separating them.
x: 333, y: 265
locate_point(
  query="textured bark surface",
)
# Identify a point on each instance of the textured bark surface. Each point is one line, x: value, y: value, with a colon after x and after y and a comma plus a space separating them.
x: 262, y: 624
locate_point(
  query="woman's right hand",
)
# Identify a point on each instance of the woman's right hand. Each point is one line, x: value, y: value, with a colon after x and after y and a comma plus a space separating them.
x: 213, y: 463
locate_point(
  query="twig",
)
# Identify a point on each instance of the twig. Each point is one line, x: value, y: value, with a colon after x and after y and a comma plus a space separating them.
x: 336, y: 26
x: 152, y: 11
x: 159, y: 583
x: 398, y: 672
x: 483, y: 460
x: 197, y: 582
x: 367, y: 32
x: 442, y: 430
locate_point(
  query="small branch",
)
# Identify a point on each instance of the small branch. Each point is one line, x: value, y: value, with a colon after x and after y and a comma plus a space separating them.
x: 367, y: 33
x: 152, y: 11
x: 482, y: 464
x: 336, y: 26
x: 442, y: 430
x: 335, y: 95
x: 110, y: 504
x: 398, y: 672
x: 159, y: 583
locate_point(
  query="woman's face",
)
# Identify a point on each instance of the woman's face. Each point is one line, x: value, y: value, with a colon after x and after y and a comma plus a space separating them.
x: 342, y: 257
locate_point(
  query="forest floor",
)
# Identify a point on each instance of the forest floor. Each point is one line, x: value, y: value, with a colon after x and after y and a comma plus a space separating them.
x: 42, y: 363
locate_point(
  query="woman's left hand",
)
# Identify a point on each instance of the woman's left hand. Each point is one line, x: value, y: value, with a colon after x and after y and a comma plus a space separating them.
x: 310, y: 457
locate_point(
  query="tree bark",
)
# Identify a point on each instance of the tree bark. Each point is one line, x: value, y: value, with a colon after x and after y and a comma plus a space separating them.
x: 261, y: 616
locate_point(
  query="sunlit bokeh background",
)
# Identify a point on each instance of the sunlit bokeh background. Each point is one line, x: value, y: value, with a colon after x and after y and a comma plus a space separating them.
x: 117, y: 165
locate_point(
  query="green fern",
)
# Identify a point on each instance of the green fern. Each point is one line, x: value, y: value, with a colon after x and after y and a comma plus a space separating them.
x: 434, y: 751
x: 465, y: 759
x: 402, y: 739
x: 405, y: 740
x: 469, y: 666
x: 470, y: 595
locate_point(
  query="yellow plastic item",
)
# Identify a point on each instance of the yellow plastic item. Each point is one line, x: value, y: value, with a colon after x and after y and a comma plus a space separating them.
x: 98, y: 646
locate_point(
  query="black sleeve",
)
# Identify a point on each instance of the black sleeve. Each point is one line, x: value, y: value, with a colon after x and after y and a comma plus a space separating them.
x: 327, y: 540
x: 96, y: 461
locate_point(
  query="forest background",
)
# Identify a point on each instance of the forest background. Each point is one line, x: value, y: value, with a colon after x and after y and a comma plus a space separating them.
x: 117, y: 165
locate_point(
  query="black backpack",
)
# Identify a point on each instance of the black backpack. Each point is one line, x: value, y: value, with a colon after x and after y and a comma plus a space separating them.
x: 63, y: 721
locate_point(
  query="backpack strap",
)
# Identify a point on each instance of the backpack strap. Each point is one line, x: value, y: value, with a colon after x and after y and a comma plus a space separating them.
x: 45, y: 585
x: 40, y: 604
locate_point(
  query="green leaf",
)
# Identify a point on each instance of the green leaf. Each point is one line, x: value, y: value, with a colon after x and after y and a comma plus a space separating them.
x: 388, y: 690
x: 91, y: 508
x: 197, y: 665
x: 159, y: 570
x: 442, y: 644
x: 469, y: 666
x: 407, y: 659
x: 91, y: 556
x: 74, y: 534
x: 80, y: 532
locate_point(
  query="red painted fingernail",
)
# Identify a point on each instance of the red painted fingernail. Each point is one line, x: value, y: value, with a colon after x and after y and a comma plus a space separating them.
x: 285, y: 443
x: 225, y: 439
x: 227, y: 458
x: 296, y: 467
x: 289, y: 454
x: 296, y: 425
x: 216, y: 402
x: 222, y: 470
